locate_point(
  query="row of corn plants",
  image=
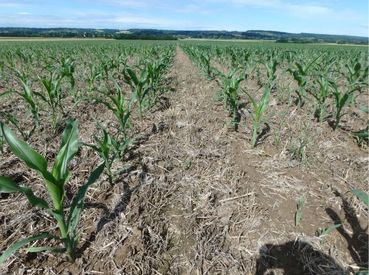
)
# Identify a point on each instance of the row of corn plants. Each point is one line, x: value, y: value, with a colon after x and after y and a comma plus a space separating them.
x: 320, y: 76
x: 123, y: 80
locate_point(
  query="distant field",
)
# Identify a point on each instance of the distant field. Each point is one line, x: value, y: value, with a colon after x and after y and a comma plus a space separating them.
x: 48, y: 39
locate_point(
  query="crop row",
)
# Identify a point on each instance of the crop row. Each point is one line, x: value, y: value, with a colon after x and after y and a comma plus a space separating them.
x: 52, y: 84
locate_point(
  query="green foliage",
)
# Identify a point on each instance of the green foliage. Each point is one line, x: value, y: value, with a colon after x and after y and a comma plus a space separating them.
x: 325, y: 231
x: 139, y: 84
x: 116, y: 103
x: 363, y: 196
x: 271, y: 67
x: 109, y: 149
x: 362, y: 136
x: 300, y: 73
x: 29, y: 98
x: 259, y: 108
x: 299, y: 211
x: 231, y: 84
x: 55, y: 183
x: 341, y: 100
x: 321, y: 96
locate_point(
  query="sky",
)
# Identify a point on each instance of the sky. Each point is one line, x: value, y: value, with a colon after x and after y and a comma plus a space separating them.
x: 348, y: 17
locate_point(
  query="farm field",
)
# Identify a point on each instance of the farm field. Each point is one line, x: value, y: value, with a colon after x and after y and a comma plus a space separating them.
x: 183, y: 157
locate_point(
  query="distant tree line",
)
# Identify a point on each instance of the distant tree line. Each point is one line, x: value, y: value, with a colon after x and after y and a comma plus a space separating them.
x: 133, y: 36
x: 152, y: 34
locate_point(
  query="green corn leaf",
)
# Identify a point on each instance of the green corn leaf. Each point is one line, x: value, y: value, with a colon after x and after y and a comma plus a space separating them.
x: 363, y: 272
x: 37, y: 249
x: 6, y: 93
x: 363, y: 196
x: 77, y: 203
x: 14, y: 247
x: 23, y: 151
x: 69, y: 149
x: 132, y: 76
x: 9, y: 186
x: 300, y: 208
x: 322, y: 232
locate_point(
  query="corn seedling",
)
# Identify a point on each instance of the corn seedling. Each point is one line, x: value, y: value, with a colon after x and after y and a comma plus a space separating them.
x: 362, y: 136
x: 356, y: 75
x: 300, y: 74
x: 341, y: 100
x: 109, y: 150
x: 231, y: 85
x: 14, y: 121
x: 320, y: 97
x: 259, y: 109
x: 363, y: 196
x: 321, y: 233
x: 29, y: 98
x: 53, y: 96
x: 298, y: 150
x: 55, y: 182
x: 300, y: 208
x: 271, y: 67
x: 117, y: 104
x: 205, y: 63
x: 2, y: 142
x: 67, y: 70
x: 139, y: 86
x: 95, y: 74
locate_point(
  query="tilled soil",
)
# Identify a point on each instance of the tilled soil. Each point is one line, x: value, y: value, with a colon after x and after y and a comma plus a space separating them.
x: 200, y: 200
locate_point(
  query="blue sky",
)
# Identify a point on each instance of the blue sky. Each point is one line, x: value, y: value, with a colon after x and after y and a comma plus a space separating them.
x: 324, y: 16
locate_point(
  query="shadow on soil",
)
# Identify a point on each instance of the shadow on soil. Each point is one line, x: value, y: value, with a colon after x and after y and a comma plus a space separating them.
x: 357, y: 241
x: 120, y: 207
x: 295, y: 258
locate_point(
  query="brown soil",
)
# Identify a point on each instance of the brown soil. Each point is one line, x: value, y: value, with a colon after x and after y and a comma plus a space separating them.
x: 200, y: 200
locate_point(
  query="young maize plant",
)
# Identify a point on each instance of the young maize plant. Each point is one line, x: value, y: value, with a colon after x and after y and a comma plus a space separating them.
x: 362, y: 136
x: 117, y: 104
x: 139, y: 87
x: 95, y: 74
x: 2, y: 142
x: 231, y: 85
x: 271, y: 67
x: 356, y: 76
x: 300, y: 74
x: 154, y: 73
x: 321, y: 233
x: 320, y: 97
x: 53, y: 96
x: 205, y: 62
x: 29, y: 98
x: 341, y: 100
x: 299, y: 210
x: 361, y: 195
x: 258, y: 110
x: 67, y: 70
x: 109, y: 150
x: 14, y: 121
x: 55, y: 182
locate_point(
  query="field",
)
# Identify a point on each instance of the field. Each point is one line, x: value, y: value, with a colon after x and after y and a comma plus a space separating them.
x: 183, y: 157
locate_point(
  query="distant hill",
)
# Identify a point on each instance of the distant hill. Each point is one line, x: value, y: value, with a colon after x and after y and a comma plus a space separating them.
x: 282, y: 37
x: 57, y: 32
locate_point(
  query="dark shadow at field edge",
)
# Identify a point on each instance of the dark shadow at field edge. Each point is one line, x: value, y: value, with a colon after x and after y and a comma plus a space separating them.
x: 296, y: 258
